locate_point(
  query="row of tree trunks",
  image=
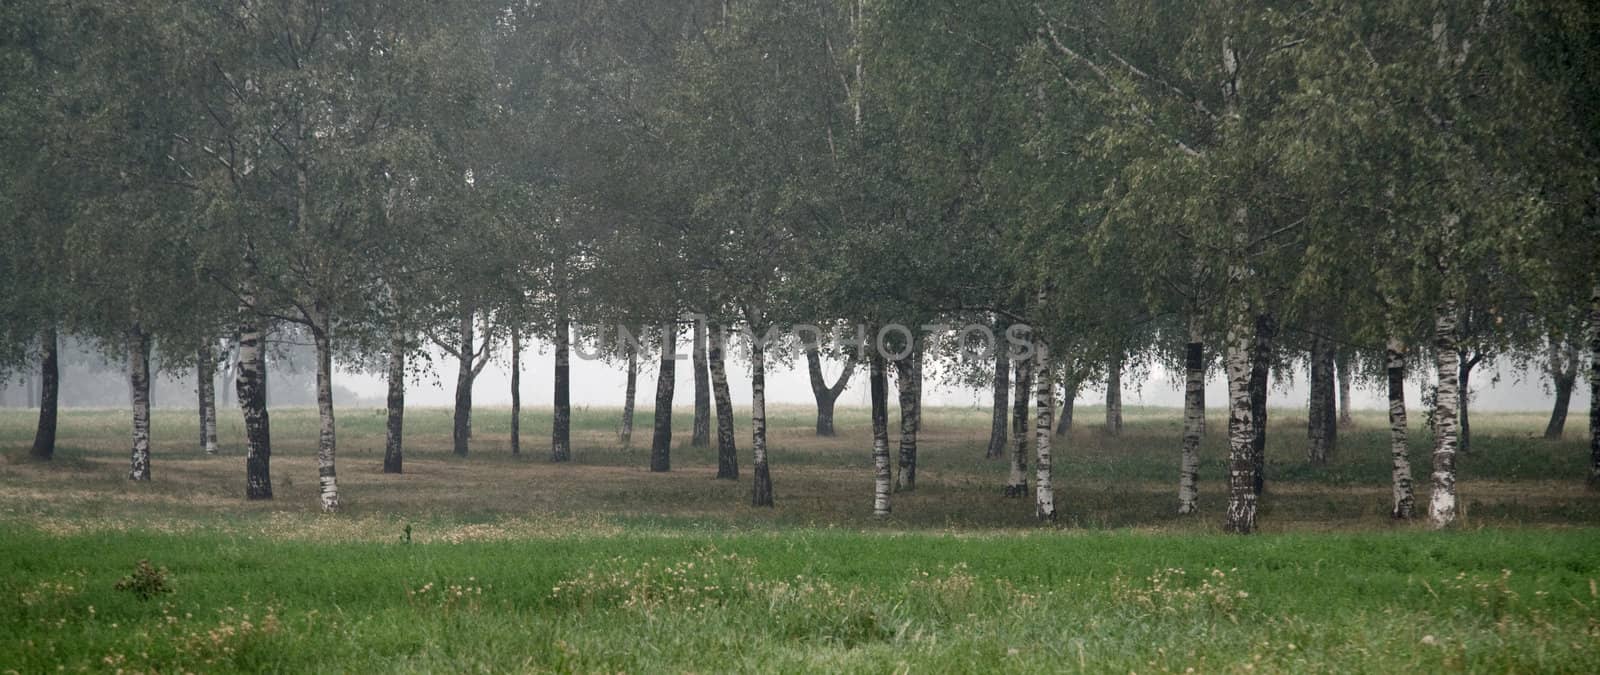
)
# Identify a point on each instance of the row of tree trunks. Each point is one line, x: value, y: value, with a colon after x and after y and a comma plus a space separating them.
x: 825, y: 394
x: 1404, y: 507
x: 1563, y: 371
x: 661, y: 443
x: 44, y: 436
x: 1322, y: 422
x: 206, y: 391
x: 882, y: 478
x: 1194, y: 415
x: 1017, y: 480
x: 1069, y: 395
x: 139, y: 394
x: 908, y: 376
x: 393, y: 443
x: 1002, y: 404
x: 1260, y: 368
x: 251, y: 389
x: 630, y: 391
x: 561, y: 422
x: 727, y: 451
x: 761, y: 490
x: 1114, y: 396
x: 702, y: 390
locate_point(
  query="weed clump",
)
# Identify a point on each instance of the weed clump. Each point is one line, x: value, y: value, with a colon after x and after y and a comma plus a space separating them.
x: 146, y: 581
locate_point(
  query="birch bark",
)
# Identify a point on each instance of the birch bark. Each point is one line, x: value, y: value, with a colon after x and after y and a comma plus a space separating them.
x: 251, y: 388
x: 1404, y: 499
x: 561, y: 421
x: 761, y: 491
x: 882, y: 480
x: 206, y: 391
x: 727, y: 452
x: 1044, y: 412
x: 394, y: 439
x: 1017, y: 481
x: 1002, y: 405
x: 702, y: 390
x: 139, y: 395
x: 661, y: 442
x: 908, y: 375
x: 1194, y: 414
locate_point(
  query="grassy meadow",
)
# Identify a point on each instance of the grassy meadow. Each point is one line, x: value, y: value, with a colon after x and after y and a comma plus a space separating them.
x: 498, y: 563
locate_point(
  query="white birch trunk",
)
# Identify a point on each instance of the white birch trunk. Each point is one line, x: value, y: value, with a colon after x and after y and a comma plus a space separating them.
x: 1442, y: 500
x: 1194, y: 415
x: 882, y: 474
x: 1017, y: 480
x: 206, y: 391
x: 1594, y: 388
x: 761, y: 491
x: 251, y: 389
x: 394, y: 430
x: 1044, y: 413
x: 1404, y: 499
x: 139, y: 395
x: 727, y: 452
x: 327, y: 476
x: 630, y: 391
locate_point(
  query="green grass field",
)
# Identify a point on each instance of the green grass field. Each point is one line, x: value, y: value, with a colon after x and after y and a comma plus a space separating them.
x: 495, y: 563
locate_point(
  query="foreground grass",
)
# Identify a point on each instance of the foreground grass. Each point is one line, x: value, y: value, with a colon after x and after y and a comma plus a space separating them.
x: 502, y: 563
x: 806, y: 599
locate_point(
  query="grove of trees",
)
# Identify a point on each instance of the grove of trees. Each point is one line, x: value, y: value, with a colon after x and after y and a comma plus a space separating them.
x: 1392, y: 191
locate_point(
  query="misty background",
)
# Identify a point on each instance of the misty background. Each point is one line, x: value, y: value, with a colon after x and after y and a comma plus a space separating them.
x: 93, y: 380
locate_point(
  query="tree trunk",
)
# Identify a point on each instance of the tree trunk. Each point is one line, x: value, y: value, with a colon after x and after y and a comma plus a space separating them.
x: 882, y: 480
x: 1260, y: 369
x: 561, y: 419
x: 1017, y: 481
x: 393, y: 446
x: 1241, y: 422
x: 702, y: 390
x: 1404, y: 499
x: 1466, y: 364
x: 1044, y: 414
x: 44, y: 436
x: 327, y: 477
x: 625, y: 433
x: 1442, y: 500
x: 251, y: 389
x: 139, y: 393
x: 1346, y: 374
x: 1069, y: 396
x: 1194, y: 413
x: 1002, y: 404
x: 1322, y: 419
x: 661, y: 443
x: 516, y: 392
x: 461, y: 429
x: 727, y: 452
x: 908, y: 377
x: 1114, y: 396
x: 825, y: 395
x: 1594, y: 389
x: 761, y: 491
x: 1564, y: 378
x: 206, y: 390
